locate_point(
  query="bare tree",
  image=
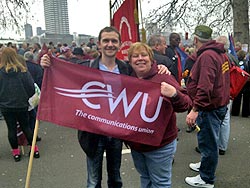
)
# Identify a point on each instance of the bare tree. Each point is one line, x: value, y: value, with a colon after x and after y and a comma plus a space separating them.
x: 222, y: 15
x: 13, y: 14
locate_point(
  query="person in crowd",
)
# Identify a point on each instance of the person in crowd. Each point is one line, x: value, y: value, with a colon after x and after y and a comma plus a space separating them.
x: 91, y: 44
x: 36, y: 72
x: 94, y: 53
x: 190, y: 50
x: 238, y: 46
x: 172, y: 53
x: 78, y: 57
x: 1, y: 48
x: 66, y: 53
x: 73, y: 45
x: 238, y: 103
x: 225, y: 126
x: 154, y: 163
x: 16, y: 87
x: 246, y: 92
x: 87, y: 53
x: 9, y: 44
x: 36, y: 51
x: 95, y: 145
x: 208, y: 86
x: 158, y: 44
x: 23, y: 48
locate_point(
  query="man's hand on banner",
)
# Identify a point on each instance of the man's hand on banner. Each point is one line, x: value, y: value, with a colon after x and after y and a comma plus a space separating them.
x: 45, y: 60
x: 162, y: 69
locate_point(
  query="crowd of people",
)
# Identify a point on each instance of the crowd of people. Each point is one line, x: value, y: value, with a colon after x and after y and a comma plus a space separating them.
x: 204, y: 96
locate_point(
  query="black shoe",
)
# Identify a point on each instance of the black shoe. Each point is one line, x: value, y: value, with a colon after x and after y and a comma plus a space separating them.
x: 38, y: 139
x: 222, y: 152
x: 36, y: 154
x: 17, y: 158
x: 197, y: 150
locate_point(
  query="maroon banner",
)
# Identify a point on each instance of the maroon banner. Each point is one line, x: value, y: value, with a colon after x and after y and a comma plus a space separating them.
x: 124, y: 21
x: 102, y: 102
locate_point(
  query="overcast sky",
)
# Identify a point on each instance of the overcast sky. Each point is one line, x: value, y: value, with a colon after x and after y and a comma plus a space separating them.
x: 85, y: 16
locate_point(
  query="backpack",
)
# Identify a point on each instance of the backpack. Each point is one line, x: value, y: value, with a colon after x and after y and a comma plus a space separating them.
x: 238, y: 78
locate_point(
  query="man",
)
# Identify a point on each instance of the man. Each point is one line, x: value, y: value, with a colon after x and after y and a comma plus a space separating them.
x: 171, y: 52
x: 91, y: 44
x: 158, y: 44
x: 209, y: 87
x: 94, y: 145
x: 225, y: 126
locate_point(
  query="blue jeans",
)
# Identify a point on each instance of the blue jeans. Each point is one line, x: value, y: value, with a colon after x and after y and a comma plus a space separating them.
x: 113, y: 148
x: 208, y: 138
x: 225, y: 129
x: 155, y: 167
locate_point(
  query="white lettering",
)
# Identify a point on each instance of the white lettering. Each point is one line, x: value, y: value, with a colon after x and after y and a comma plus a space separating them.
x: 143, y: 109
x: 122, y: 96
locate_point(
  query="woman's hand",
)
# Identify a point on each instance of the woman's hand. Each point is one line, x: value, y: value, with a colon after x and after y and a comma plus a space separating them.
x: 168, y: 90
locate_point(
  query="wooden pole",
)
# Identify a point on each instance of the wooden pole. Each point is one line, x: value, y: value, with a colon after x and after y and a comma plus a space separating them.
x: 27, y: 183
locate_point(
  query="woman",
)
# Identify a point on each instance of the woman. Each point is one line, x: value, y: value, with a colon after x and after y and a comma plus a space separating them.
x: 155, y: 163
x: 16, y: 87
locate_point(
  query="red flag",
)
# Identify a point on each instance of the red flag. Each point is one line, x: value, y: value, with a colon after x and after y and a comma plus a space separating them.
x: 125, y: 20
x: 102, y: 102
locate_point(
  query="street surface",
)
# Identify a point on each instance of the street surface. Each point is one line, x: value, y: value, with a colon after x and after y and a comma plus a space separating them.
x: 62, y: 162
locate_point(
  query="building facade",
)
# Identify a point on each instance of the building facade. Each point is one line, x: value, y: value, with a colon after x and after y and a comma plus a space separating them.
x: 56, y: 16
x: 28, y: 31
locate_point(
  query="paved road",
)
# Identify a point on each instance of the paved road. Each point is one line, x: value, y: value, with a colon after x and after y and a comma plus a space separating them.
x: 62, y: 162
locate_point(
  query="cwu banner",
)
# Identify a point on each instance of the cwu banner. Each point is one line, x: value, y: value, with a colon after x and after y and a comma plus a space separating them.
x: 102, y: 102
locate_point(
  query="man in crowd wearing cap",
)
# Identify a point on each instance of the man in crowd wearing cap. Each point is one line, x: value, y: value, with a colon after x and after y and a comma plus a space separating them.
x: 66, y: 53
x: 208, y: 86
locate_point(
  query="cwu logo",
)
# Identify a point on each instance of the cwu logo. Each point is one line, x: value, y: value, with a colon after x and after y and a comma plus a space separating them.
x: 105, y: 91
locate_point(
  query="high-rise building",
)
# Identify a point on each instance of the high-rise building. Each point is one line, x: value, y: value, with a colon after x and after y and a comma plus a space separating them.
x: 56, y: 16
x: 28, y: 31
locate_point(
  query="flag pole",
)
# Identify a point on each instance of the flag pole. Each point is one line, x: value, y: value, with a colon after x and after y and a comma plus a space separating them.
x: 110, y: 13
x: 27, y: 183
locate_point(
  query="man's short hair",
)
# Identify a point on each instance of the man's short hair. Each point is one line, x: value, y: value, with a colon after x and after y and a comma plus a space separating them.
x: 109, y: 29
x: 154, y: 40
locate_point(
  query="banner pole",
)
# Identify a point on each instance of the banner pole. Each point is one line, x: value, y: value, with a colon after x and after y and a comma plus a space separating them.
x: 27, y: 183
